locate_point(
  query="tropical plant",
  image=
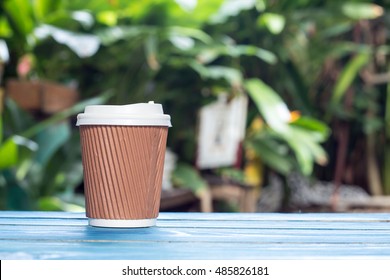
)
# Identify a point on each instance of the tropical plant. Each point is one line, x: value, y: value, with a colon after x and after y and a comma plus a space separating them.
x: 138, y: 50
x: 329, y: 51
x: 298, y: 61
x: 40, y: 163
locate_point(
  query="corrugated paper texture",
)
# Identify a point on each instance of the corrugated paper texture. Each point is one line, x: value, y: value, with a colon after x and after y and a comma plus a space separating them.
x: 123, y: 167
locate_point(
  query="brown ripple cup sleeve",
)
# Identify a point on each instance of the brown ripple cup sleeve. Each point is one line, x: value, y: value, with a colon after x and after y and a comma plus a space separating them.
x: 123, y: 150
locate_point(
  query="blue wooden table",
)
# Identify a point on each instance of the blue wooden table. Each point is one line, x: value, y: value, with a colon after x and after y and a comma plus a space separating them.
x: 58, y: 235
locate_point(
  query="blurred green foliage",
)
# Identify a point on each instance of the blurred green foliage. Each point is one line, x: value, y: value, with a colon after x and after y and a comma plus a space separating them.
x: 306, y: 56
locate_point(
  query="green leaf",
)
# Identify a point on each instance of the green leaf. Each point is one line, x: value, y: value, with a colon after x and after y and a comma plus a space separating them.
x: 43, y: 8
x: 50, y: 140
x: 190, y: 32
x: 360, y: 11
x: 297, y: 144
x: 8, y: 154
x: 20, y: 14
x: 231, y: 75
x: 271, y: 156
x: 304, y: 158
x: 348, y: 75
x: 306, y: 148
x: 269, y: 104
x: 26, y: 151
x: 262, y: 54
x: 274, y: 22
x: 5, y: 28
x: 336, y: 29
x: 318, y: 128
x: 342, y: 49
x: 210, y: 53
x: 185, y: 176
x: 109, y: 18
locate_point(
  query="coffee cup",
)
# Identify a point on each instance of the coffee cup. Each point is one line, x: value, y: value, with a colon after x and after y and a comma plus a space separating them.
x: 123, y: 149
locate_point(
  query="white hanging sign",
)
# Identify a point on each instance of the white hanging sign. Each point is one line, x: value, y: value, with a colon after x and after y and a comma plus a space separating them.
x: 221, y: 131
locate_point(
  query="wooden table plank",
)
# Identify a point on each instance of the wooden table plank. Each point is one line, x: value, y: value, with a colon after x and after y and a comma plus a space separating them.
x: 117, y: 250
x: 289, y: 221
x: 218, y: 216
x: 353, y: 225
x: 194, y: 235
x: 60, y: 235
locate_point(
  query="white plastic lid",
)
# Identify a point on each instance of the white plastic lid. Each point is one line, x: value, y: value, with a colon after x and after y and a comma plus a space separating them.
x: 139, y: 114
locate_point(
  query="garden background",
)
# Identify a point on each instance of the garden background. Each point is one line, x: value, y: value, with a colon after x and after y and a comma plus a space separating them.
x: 316, y: 73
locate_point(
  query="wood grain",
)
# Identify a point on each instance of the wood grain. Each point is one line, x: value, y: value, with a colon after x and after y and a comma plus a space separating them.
x: 57, y: 235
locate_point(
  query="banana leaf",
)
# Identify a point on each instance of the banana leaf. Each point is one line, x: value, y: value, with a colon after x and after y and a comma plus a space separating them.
x: 270, y: 105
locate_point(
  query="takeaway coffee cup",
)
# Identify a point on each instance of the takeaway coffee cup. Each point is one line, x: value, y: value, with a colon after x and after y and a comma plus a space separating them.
x: 123, y: 149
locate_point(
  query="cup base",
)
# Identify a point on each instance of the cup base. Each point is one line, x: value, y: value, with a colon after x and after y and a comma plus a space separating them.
x: 122, y: 223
